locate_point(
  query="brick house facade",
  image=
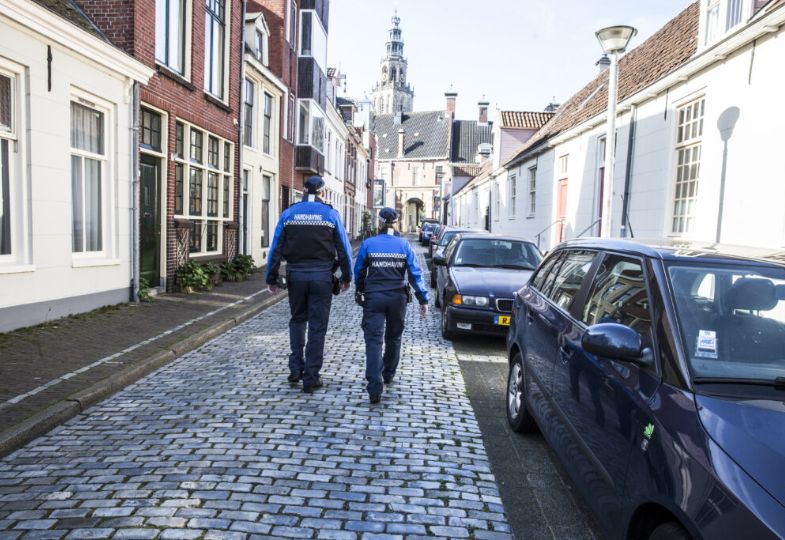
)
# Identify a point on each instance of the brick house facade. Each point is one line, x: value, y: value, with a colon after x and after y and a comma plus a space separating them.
x: 281, y: 17
x: 181, y: 98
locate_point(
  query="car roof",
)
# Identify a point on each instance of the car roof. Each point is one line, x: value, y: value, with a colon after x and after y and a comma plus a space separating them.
x: 677, y: 249
x: 488, y: 236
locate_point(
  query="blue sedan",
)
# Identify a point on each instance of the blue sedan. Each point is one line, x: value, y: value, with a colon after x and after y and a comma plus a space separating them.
x: 657, y: 373
x: 476, y: 277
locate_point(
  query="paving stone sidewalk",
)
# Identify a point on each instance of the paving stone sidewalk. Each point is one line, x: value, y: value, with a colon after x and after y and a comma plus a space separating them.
x: 48, y: 372
x: 219, y: 445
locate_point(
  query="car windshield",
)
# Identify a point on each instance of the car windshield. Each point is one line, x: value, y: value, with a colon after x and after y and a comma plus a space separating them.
x: 493, y: 253
x: 428, y: 226
x: 446, y: 237
x: 732, y: 321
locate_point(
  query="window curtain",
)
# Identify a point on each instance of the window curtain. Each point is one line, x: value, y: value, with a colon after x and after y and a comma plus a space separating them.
x: 87, y: 129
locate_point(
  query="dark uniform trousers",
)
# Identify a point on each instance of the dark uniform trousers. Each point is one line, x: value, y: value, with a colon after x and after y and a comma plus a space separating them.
x: 309, y: 301
x: 383, y: 322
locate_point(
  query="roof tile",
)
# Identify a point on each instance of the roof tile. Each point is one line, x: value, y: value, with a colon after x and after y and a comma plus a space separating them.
x: 525, y: 119
x: 427, y: 135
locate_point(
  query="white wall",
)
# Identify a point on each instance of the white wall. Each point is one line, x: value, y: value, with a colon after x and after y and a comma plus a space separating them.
x: 46, y: 269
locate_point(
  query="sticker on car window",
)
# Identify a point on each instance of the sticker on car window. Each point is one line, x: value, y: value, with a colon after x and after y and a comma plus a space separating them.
x: 707, y: 344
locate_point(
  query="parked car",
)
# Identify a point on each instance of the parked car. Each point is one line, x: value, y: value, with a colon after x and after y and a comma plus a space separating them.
x: 657, y: 373
x: 426, y: 230
x: 442, y: 240
x: 434, y: 235
x: 476, y: 278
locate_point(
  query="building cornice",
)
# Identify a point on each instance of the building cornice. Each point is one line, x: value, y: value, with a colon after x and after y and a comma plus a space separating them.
x: 32, y: 17
x: 263, y: 70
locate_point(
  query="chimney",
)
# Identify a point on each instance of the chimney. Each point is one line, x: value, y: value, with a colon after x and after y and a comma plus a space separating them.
x: 603, y: 63
x: 483, y: 119
x: 401, y: 144
x: 451, y: 98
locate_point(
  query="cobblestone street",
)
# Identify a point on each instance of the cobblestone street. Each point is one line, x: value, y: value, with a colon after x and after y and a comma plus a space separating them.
x: 218, y: 445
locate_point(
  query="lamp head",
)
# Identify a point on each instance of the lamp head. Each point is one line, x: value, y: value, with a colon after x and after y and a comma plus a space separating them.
x: 614, y: 39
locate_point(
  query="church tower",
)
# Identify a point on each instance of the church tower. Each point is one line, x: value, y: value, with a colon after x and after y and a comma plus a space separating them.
x: 392, y: 93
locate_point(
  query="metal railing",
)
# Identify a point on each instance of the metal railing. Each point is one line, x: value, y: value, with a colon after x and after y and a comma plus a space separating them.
x: 584, y: 231
x: 546, y: 229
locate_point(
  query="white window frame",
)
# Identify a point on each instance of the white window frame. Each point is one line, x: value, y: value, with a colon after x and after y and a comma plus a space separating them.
x: 185, y: 71
x: 268, y: 123
x: 249, y: 136
x: 685, y: 192
x: 532, y: 191
x: 107, y: 253
x: 19, y: 259
x: 289, y: 37
x: 224, y: 175
x: 512, y: 188
x: 223, y: 95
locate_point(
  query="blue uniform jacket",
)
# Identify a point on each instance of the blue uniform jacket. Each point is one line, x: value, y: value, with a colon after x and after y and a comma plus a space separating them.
x: 382, y: 264
x: 310, y: 237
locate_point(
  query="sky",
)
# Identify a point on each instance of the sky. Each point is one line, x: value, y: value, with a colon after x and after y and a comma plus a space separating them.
x: 519, y: 54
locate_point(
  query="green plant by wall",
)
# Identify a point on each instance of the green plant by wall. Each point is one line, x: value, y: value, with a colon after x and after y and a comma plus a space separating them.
x: 144, y: 291
x: 245, y: 265
x: 192, y: 277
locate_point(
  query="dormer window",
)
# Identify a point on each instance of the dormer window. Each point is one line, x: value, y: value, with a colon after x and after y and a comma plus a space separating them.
x: 260, y: 46
x: 719, y: 17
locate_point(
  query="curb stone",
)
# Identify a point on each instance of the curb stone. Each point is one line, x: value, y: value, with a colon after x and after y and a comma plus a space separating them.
x: 65, y: 409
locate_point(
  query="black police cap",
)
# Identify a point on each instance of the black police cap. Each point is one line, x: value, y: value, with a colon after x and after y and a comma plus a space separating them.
x: 388, y: 215
x: 314, y: 184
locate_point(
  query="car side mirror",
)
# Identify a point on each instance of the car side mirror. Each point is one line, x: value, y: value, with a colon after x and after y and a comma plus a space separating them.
x: 439, y: 260
x: 617, y: 342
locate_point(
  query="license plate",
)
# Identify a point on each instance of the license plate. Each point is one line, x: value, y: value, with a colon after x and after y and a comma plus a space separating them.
x: 501, y: 320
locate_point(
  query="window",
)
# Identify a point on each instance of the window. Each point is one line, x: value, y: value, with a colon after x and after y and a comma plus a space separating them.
x: 207, y: 185
x: 266, y: 191
x: 532, y: 202
x: 564, y: 165
x: 544, y: 271
x: 151, y: 130
x: 513, y: 188
x: 688, y: 153
x: 178, y: 140
x: 268, y: 123
x: 290, y: 126
x: 497, y: 203
x: 259, y: 47
x: 734, y: 14
x: 317, y: 136
x: 570, y: 277
x: 214, y: 45
x: 7, y: 137
x: 248, y: 101
x: 170, y: 21
x: 618, y: 294
x: 88, y: 156
x: 712, y: 21
x: 415, y: 175
x: 291, y: 28
x: 303, y: 128
x: 305, y: 34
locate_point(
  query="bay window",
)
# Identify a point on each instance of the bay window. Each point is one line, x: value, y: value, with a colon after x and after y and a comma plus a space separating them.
x: 88, y: 159
x: 208, y: 184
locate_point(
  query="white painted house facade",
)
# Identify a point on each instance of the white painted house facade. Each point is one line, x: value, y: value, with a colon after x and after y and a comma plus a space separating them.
x: 67, y: 166
x: 698, y: 142
x: 264, y: 95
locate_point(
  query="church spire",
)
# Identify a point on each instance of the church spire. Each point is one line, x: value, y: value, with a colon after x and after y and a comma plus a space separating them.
x: 392, y: 93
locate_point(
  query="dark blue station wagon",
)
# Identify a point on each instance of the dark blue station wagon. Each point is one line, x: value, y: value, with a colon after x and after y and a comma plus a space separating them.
x: 657, y: 373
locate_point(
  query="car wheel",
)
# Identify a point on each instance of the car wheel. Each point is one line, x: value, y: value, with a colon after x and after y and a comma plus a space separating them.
x: 670, y: 531
x: 518, y: 415
x: 446, y: 332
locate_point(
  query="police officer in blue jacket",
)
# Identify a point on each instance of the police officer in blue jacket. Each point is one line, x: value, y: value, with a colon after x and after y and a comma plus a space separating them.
x: 381, y: 278
x: 309, y: 236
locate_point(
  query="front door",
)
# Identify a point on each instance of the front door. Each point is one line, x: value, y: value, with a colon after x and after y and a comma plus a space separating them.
x: 150, y: 220
x: 562, y: 209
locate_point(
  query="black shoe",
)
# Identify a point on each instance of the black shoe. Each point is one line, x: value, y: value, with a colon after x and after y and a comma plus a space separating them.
x: 311, y: 387
x: 295, y: 377
x: 375, y: 398
x: 389, y: 380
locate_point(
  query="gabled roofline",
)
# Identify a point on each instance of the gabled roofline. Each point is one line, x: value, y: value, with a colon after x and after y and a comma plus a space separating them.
x: 761, y: 25
x: 31, y: 16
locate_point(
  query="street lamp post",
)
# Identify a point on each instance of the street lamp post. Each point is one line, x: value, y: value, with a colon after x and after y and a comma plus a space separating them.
x: 614, y: 40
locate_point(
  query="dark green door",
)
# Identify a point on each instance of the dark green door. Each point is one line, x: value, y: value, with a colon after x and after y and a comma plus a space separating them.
x: 150, y: 220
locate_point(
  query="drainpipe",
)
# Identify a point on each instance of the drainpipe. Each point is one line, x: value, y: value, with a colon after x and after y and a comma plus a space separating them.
x: 238, y: 192
x: 135, y: 195
x: 628, y: 173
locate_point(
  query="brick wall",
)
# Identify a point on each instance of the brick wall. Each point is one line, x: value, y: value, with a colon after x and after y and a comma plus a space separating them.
x: 179, y: 98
